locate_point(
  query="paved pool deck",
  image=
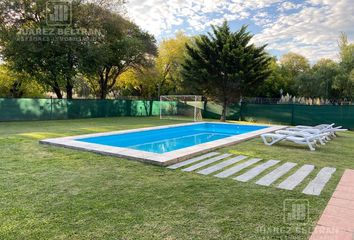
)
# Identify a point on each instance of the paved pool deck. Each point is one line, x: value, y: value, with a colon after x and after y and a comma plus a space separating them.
x: 337, y: 220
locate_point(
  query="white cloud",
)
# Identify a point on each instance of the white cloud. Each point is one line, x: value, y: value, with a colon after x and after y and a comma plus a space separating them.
x: 286, y: 6
x: 156, y: 16
x: 262, y: 19
x: 313, y: 31
x: 311, y: 27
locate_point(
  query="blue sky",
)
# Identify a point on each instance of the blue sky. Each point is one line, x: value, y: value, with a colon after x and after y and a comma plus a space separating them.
x: 308, y: 27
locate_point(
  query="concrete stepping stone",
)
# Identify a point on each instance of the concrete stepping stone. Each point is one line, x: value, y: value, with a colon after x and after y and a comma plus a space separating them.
x: 271, y: 177
x: 291, y: 182
x: 237, y: 168
x: 206, y: 162
x: 316, y: 186
x: 256, y: 171
x: 193, y: 160
x: 221, y: 165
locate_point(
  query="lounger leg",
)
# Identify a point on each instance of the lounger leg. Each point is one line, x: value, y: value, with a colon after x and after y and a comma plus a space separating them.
x: 273, y: 141
x: 321, y: 141
x: 266, y: 142
x: 310, y: 145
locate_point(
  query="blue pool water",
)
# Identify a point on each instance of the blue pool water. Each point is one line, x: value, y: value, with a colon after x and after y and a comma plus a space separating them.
x: 173, y: 138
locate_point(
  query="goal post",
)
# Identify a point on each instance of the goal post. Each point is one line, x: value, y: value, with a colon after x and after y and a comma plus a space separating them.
x: 181, y: 107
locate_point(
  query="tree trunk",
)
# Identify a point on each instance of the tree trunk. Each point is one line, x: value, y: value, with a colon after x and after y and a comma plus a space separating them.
x: 224, y: 109
x: 69, y: 90
x: 69, y: 84
x: 57, y: 91
x: 102, y: 87
x: 103, y: 83
x: 103, y: 91
x: 151, y: 105
x: 102, y: 95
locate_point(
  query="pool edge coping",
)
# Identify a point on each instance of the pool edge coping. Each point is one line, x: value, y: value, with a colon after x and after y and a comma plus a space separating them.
x: 164, y: 159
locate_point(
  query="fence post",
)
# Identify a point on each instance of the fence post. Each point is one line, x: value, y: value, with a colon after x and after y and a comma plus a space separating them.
x: 51, y: 108
x: 241, y: 111
x: 292, y: 114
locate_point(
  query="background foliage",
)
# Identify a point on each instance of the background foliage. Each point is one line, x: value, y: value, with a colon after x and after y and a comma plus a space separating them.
x: 127, y: 61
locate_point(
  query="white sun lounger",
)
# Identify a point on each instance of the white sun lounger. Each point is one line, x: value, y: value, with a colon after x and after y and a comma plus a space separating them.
x: 326, y: 129
x: 312, y: 131
x: 296, y: 137
x: 321, y: 137
x: 321, y: 126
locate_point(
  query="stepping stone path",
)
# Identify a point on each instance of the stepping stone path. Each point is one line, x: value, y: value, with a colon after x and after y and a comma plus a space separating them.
x: 315, y: 186
x: 291, y: 182
x: 237, y: 168
x: 256, y: 171
x: 221, y: 165
x: 228, y: 165
x: 276, y: 174
x: 207, y: 162
x: 193, y: 160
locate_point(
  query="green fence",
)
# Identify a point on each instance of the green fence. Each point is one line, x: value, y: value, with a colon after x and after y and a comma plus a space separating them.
x: 214, y: 111
x: 55, y: 109
x: 294, y: 114
x: 50, y: 109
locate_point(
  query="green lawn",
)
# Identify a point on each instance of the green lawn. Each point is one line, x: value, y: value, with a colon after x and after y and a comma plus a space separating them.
x: 55, y: 193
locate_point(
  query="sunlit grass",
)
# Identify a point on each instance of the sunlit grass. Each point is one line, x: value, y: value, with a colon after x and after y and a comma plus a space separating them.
x: 56, y: 193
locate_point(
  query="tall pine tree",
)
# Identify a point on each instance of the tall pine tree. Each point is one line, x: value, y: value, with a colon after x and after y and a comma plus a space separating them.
x: 225, y: 65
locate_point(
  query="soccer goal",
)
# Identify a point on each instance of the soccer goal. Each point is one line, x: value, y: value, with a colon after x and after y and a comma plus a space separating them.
x: 181, y: 107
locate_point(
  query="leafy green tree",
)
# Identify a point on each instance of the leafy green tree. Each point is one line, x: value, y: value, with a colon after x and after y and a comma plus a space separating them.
x: 317, y: 82
x: 346, y: 53
x: 325, y: 71
x: 292, y: 65
x: 171, y: 56
x: 307, y: 85
x: 56, y: 63
x: 344, y: 81
x: 344, y: 84
x: 274, y: 84
x: 226, y: 65
x: 162, y: 75
x: 124, y: 46
x: 18, y: 85
x: 51, y: 63
x: 142, y: 82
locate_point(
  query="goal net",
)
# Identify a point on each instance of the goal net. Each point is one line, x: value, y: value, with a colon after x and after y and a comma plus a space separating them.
x: 181, y: 107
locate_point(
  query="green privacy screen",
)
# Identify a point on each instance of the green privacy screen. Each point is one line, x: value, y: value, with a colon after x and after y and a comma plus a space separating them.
x: 340, y: 115
x: 55, y: 109
x: 294, y: 114
x: 213, y: 110
x: 277, y: 113
x: 47, y: 109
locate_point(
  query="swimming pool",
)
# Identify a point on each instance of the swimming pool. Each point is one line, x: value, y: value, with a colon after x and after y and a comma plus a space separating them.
x: 164, y: 145
x: 173, y: 138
